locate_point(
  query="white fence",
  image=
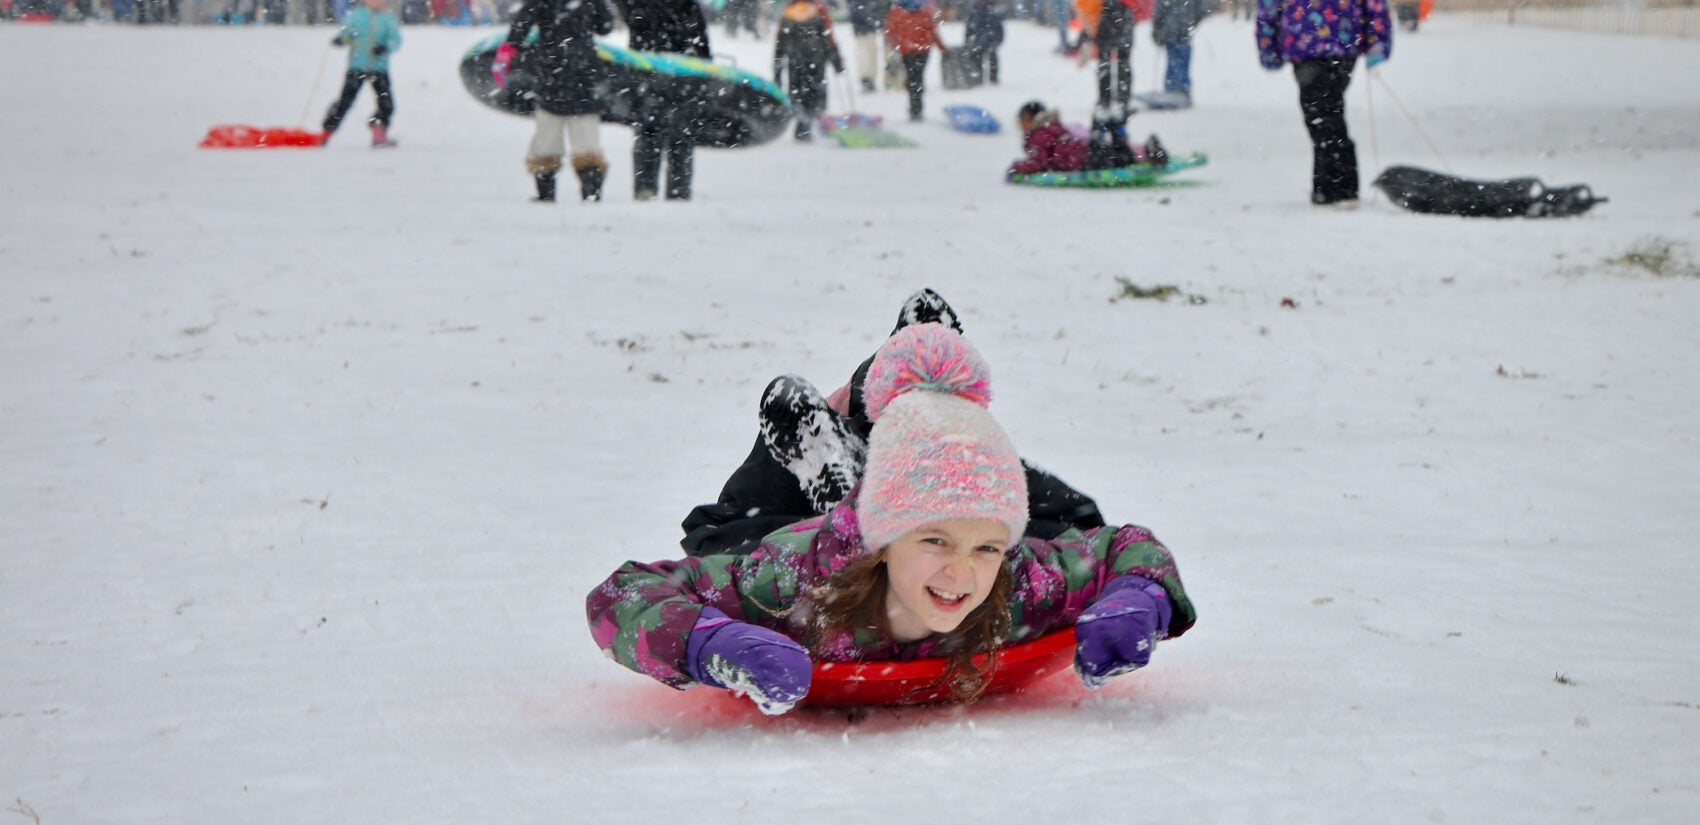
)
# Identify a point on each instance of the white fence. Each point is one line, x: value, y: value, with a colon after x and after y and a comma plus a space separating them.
x: 1642, y: 17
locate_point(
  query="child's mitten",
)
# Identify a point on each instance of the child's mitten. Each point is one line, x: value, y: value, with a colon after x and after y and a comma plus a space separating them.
x: 725, y: 653
x: 499, y: 67
x: 1117, y: 633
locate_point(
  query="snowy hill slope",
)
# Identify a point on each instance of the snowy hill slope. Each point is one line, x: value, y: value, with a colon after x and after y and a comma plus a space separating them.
x: 311, y: 456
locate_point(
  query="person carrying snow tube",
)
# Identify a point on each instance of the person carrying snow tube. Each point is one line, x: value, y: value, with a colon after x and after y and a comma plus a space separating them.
x: 567, y: 71
x: 925, y: 559
x: 667, y: 119
x: 372, y: 33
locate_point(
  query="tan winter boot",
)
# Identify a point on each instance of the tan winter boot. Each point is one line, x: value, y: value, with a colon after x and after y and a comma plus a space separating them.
x: 591, y: 169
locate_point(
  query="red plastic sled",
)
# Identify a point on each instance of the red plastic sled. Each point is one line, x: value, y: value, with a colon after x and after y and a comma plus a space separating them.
x: 231, y: 136
x: 839, y: 684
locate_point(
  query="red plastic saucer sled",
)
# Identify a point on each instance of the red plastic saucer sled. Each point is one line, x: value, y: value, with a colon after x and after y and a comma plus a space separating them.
x: 839, y: 684
x: 232, y: 136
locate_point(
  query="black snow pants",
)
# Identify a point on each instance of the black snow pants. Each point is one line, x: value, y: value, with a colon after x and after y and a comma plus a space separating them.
x: 1115, y: 55
x: 665, y: 130
x: 1322, y: 99
x: 914, y: 81
x: 350, y: 87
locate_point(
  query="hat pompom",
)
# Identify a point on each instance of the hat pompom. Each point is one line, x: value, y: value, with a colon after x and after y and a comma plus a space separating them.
x: 930, y: 357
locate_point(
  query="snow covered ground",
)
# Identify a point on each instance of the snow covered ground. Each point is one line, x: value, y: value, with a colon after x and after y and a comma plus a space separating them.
x: 311, y: 456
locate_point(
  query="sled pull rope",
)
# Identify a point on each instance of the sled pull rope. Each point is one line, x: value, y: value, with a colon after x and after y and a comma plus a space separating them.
x: 1374, y: 145
x: 1376, y: 76
x: 324, y: 57
x: 849, y: 93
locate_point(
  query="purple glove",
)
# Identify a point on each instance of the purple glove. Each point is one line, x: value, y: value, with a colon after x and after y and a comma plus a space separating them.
x: 725, y: 653
x: 499, y: 67
x: 1117, y: 633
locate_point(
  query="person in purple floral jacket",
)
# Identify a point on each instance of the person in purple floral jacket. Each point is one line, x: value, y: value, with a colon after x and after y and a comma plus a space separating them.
x: 1323, y: 40
x: 925, y: 558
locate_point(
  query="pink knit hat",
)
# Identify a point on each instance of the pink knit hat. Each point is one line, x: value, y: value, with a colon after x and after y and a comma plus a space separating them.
x: 935, y: 453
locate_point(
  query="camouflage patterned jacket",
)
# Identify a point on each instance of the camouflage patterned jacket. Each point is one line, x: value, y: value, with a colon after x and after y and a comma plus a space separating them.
x: 643, y: 614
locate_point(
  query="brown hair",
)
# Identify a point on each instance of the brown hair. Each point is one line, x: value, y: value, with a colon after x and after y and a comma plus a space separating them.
x: 854, y: 599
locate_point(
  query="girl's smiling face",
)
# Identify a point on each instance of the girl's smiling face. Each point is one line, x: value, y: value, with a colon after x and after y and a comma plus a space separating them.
x: 941, y: 572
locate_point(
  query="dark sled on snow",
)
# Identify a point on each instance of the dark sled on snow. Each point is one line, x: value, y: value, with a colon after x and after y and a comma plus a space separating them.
x: 1420, y: 190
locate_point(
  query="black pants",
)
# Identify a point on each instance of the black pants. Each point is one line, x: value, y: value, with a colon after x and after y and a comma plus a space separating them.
x: 350, y: 87
x: 982, y: 66
x: 1322, y: 99
x: 914, y: 80
x: 1115, y: 54
x: 806, y: 86
x: 657, y: 138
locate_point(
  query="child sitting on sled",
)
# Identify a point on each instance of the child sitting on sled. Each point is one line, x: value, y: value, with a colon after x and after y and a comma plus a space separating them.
x: 925, y: 558
x: 1051, y: 147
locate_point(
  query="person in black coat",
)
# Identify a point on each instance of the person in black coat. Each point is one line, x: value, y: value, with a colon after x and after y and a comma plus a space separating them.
x: 667, y: 122
x: 566, y: 74
x: 984, y: 36
x: 801, y: 53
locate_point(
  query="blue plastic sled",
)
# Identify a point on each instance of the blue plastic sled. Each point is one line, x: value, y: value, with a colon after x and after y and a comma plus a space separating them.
x: 972, y: 119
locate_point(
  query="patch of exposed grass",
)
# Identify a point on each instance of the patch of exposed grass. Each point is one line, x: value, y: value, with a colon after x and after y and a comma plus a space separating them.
x: 1160, y: 292
x: 1661, y: 257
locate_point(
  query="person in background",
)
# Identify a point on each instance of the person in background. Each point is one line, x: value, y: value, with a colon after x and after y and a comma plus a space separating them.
x: 667, y: 123
x: 1062, y: 12
x: 867, y: 24
x: 984, y: 36
x: 566, y: 73
x: 1109, y: 25
x: 1323, y: 39
x: 371, y: 32
x: 1172, y: 25
x: 801, y: 52
x: 742, y: 14
x: 912, y: 29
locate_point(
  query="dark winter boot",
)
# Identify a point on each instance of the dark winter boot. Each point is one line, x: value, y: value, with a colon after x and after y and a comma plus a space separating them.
x: 543, y: 171
x: 546, y: 188
x: 806, y: 437
x: 1155, y: 154
x: 926, y: 307
x: 591, y: 171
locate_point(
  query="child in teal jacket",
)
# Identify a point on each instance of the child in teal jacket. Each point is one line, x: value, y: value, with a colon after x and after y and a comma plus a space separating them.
x: 371, y: 32
x: 928, y: 557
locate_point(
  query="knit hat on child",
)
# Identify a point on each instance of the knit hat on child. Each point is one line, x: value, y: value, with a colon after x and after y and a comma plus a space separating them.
x: 935, y: 454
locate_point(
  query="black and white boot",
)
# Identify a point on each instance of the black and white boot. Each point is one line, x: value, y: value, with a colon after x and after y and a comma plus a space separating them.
x: 811, y: 441
x: 926, y: 307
